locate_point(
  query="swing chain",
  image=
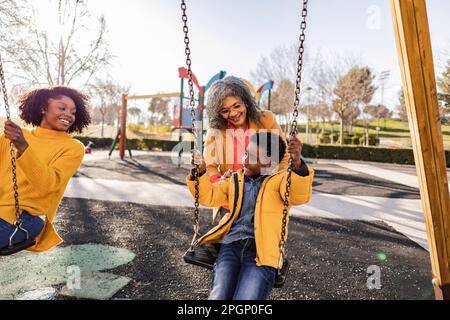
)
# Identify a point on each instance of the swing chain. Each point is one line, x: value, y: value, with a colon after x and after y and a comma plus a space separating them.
x: 293, y: 131
x: 187, y: 51
x: 12, y: 153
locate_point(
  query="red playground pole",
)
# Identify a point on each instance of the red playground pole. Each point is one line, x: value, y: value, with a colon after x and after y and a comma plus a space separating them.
x: 123, y: 127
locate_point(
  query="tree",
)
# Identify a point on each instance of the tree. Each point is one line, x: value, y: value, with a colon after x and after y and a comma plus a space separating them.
x: 444, y: 95
x: 324, y: 72
x: 353, y: 90
x: 159, y: 109
x: 282, y: 99
x: 340, y: 106
x: 351, y: 115
x: 320, y: 73
x: 363, y: 93
x: 401, y: 107
x: 320, y: 112
x: 105, y: 114
x: 134, y: 112
x: 324, y: 113
x: 444, y: 80
x: 281, y: 67
x: 106, y: 95
x: 444, y: 107
x: 163, y: 112
x: 62, y: 51
x: 281, y: 64
x: 378, y: 112
x: 11, y: 15
x: 12, y: 22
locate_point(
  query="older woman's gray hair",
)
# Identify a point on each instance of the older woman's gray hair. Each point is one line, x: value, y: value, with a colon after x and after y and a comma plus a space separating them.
x: 230, y: 87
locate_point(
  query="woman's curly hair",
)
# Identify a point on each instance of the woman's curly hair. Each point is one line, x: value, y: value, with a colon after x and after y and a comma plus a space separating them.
x: 230, y: 87
x: 32, y: 103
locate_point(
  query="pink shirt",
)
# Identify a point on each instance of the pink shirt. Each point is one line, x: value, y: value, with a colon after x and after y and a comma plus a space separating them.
x: 240, y: 143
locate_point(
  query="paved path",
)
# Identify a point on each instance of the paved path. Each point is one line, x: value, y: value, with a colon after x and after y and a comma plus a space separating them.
x: 404, y: 215
x: 143, y: 206
x: 391, y: 175
x: 129, y: 191
x: 402, y: 174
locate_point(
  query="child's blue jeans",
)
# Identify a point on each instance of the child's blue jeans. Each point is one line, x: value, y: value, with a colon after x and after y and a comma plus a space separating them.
x: 236, y: 275
x: 33, y: 224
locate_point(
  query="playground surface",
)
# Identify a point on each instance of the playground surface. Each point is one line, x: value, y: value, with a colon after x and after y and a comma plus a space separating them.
x: 134, y: 219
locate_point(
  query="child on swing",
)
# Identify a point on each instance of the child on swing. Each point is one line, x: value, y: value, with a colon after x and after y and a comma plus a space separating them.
x: 250, y: 236
x: 47, y: 157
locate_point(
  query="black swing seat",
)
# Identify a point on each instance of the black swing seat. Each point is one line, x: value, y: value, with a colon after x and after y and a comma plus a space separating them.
x: 280, y: 279
x: 203, y: 256
x: 206, y: 255
x: 7, y: 251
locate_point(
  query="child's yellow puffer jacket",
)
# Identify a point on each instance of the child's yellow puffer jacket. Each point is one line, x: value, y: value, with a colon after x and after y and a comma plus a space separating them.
x: 268, y: 210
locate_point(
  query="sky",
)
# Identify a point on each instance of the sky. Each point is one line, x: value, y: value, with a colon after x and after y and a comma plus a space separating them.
x: 147, y: 40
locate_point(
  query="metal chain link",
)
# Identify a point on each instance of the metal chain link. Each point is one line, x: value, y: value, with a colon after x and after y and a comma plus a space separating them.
x: 187, y: 51
x: 11, y: 147
x: 293, y: 131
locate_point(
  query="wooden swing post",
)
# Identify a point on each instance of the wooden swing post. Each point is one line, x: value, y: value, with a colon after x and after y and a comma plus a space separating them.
x: 416, y: 62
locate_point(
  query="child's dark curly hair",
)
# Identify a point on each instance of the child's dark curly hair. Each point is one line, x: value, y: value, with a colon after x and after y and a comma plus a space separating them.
x: 32, y: 103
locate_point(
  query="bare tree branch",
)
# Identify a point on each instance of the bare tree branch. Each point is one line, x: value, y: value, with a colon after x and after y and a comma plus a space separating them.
x: 70, y: 53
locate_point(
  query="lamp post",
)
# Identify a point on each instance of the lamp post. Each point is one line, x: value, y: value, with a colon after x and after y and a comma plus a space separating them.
x: 384, y: 76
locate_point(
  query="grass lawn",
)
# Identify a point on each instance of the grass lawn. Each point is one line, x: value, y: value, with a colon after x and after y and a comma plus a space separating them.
x: 390, y: 131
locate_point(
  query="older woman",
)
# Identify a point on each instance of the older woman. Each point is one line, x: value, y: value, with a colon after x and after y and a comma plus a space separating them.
x: 233, y: 116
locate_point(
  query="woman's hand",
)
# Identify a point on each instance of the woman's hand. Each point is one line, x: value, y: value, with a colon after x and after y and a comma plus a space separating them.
x: 295, y: 149
x: 197, y: 159
x: 14, y: 133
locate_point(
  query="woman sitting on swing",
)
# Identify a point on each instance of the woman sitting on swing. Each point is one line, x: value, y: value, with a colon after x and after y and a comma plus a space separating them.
x: 46, y: 158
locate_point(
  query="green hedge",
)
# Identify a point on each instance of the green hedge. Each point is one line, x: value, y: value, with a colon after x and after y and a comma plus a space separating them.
x: 401, y: 156
x: 360, y: 153
x: 99, y: 143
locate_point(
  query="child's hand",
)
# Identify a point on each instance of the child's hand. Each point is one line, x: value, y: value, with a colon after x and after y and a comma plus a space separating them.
x: 197, y: 159
x: 295, y: 149
x: 14, y: 133
x: 227, y: 175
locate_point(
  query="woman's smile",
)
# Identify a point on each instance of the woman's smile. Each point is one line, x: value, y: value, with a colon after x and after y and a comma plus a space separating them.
x: 66, y: 122
x: 236, y: 119
x: 234, y: 111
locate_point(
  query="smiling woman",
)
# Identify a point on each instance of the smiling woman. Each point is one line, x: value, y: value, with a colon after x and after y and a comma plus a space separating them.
x: 46, y: 158
x: 233, y: 114
x: 56, y: 108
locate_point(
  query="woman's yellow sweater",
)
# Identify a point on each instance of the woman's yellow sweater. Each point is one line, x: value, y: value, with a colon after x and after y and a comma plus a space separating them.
x: 43, y: 171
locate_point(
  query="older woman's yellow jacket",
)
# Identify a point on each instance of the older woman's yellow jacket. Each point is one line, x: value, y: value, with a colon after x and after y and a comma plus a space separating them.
x: 268, y: 210
x: 219, y: 149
